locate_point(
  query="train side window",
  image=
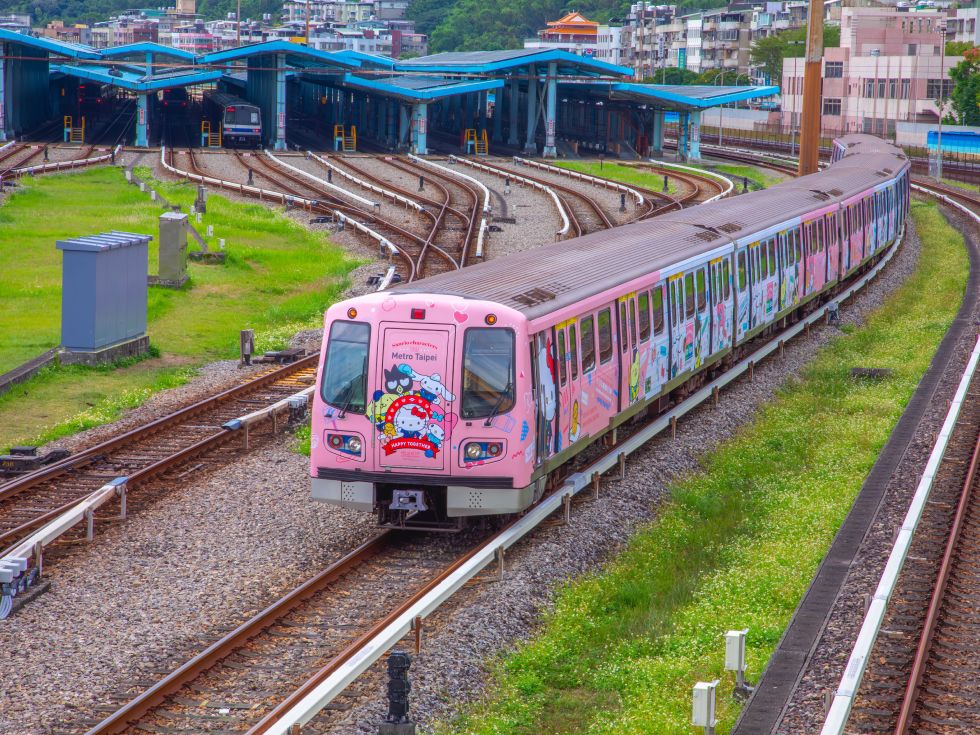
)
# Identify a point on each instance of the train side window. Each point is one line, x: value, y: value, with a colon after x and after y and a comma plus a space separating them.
x: 573, y: 350
x: 726, y: 277
x: 741, y: 270
x: 819, y: 237
x: 588, y: 344
x: 633, y: 322
x: 605, y: 336
x: 644, y: 302
x: 688, y: 295
x: 701, y: 290
x: 772, y: 257
x: 562, y: 367
x: 624, y: 342
x: 658, y: 310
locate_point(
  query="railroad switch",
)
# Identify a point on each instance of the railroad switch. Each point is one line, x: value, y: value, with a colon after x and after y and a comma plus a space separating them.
x: 398, y: 722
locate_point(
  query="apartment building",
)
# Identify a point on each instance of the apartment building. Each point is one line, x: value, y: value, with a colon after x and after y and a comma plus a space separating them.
x: 889, y: 69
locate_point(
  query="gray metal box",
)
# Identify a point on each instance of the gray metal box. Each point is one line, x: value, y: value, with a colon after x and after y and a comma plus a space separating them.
x: 173, y: 248
x: 103, y: 289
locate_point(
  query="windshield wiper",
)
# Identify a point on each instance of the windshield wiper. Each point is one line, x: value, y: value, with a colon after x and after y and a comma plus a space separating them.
x: 496, y: 407
x: 349, y: 389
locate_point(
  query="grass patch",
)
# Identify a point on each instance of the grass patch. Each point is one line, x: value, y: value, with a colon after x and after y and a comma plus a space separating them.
x: 758, y: 178
x: 960, y: 184
x: 624, y: 174
x: 301, y: 439
x: 737, y: 543
x: 278, y: 279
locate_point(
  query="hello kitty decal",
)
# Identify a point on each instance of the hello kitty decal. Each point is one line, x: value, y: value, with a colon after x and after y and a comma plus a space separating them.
x: 411, y: 413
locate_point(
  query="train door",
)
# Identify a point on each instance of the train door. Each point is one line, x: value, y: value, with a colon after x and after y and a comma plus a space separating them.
x: 833, y: 247
x: 702, y: 317
x: 568, y: 383
x: 592, y: 417
x: 546, y: 385
x: 606, y: 383
x: 759, y: 273
x: 743, y: 296
x: 677, y: 331
x: 629, y: 347
x: 787, y: 270
x: 411, y: 405
x: 872, y: 222
x: 721, y: 303
x: 855, y: 241
x: 658, y: 341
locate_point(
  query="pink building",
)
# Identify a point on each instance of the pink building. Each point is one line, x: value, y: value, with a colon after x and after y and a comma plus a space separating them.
x: 888, y: 69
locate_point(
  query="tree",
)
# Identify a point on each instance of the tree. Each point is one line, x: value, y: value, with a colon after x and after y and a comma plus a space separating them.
x: 966, y: 87
x: 672, y: 75
x: 767, y: 54
x: 957, y: 48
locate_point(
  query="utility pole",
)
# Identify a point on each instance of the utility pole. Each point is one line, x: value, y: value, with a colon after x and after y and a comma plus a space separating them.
x: 308, y: 4
x: 238, y: 23
x: 810, y: 124
x: 942, y: 99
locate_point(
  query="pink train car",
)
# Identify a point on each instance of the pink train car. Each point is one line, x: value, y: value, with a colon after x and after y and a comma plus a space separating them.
x: 465, y: 394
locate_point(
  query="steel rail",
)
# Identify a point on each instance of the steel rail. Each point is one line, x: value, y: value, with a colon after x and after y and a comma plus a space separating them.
x: 157, y: 694
x: 911, y: 697
x: 86, y: 456
x: 469, y: 220
x: 481, y: 234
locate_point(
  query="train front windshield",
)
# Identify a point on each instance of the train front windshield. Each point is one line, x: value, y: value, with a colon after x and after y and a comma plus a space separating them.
x: 241, y: 116
x: 344, y: 383
x: 488, y: 372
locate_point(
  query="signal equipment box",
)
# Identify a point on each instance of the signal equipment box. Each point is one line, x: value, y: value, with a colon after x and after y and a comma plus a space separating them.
x: 103, y: 297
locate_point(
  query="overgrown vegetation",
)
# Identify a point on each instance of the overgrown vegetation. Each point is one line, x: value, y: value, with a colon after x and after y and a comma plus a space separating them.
x: 278, y: 278
x: 966, y: 88
x: 769, y: 52
x: 737, y: 543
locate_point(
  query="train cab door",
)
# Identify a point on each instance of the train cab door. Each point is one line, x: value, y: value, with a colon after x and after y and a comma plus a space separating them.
x: 415, y: 396
x: 743, y: 296
x: 721, y: 303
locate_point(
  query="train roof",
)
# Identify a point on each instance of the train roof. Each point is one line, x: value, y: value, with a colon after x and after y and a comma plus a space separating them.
x: 539, y: 281
x: 223, y: 99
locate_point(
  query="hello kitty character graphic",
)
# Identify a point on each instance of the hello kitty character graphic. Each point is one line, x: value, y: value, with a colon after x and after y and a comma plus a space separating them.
x: 414, y: 420
x: 548, y: 398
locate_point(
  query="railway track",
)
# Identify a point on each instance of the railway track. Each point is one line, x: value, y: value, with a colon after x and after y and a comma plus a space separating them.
x: 924, y: 672
x: 150, y: 451
x: 233, y: 686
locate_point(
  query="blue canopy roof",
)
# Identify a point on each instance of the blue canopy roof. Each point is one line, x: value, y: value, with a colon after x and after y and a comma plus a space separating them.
x: 418, y: 88
x: 146, y: 47
x: 298, y: 52
x: 683, y: 98
x: 133, y: 79
x: 60, y: 48
x: 483, y: 62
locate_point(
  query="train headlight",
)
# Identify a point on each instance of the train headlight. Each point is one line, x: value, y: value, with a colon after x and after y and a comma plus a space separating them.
x: 354, y: 445
x: 474, y: 451
x: 345, y: 444
x: 482, y: 451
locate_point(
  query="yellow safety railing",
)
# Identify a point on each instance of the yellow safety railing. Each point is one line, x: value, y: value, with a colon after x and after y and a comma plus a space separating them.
x: 71, y: 133
x: 482, y: 145
x: 209, y: 137
x: 342, y: 141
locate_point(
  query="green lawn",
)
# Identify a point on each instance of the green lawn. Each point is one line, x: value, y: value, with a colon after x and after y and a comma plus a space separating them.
x: 737, y: 544
x: 278, y: 278
x: 624, y: 174
x: 759, y: 178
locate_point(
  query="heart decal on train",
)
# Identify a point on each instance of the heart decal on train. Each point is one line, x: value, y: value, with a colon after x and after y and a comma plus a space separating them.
x: 460, y: 317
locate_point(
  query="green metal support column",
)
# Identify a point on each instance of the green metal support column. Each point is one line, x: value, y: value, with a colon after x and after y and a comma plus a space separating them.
x: 404, y: 125
x: 498, y: 113
x: 280, y: 144
x: 657, y: 134
x: 682, y: 129
x: 694, y: 137
x: 530, y: 146
x: 514, y: 108
x: 420, y: 124
x: 550, y: 121
x: 142, y: 124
